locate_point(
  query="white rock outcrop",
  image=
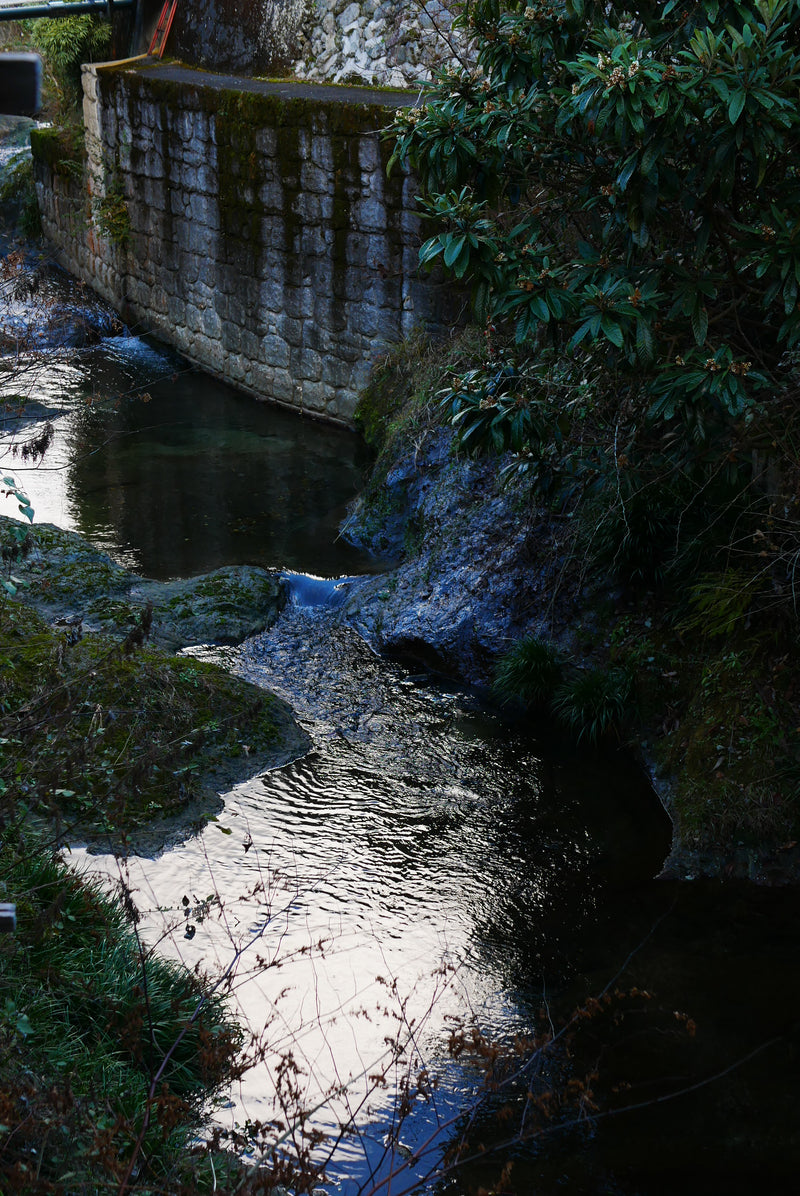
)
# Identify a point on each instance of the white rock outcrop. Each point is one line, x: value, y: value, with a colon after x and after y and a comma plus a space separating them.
x: 385, y: 43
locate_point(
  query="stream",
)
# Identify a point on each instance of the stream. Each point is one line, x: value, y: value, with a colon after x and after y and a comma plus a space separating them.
x: 430, y: 861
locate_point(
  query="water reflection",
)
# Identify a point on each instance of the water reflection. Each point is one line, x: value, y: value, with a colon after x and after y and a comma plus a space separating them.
x: 424, y: 862
x: 175, y: 474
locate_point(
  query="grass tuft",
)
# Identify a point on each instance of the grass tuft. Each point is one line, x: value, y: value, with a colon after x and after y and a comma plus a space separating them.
x: 530, y: 672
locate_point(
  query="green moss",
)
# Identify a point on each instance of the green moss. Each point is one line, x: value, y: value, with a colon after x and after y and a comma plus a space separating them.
x: 736, y: 751
x: 100, y: 736
x: 60, y: 148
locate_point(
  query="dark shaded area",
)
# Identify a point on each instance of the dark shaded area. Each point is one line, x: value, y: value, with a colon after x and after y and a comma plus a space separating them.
x: 250, y: 36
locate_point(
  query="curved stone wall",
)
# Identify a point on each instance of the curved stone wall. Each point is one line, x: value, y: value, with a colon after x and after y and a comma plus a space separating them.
x: 252, y: 226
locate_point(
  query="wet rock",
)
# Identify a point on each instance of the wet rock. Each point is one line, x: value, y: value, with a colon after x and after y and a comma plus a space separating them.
x: 473, y: 578
x: 223, y: 607
x: 66, y: 578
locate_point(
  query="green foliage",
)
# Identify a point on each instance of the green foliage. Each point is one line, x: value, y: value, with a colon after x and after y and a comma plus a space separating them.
x: 621, y: 189
x: 89, y: 1018
x: 17, y: 191
x: 17, y: 537
x: 530, y: 672
x: 66, y: 43
x: 736, y: 751
x: 719, y: 603
x: 593, y: 703
x: 111, y: 215
x: 62, y: 147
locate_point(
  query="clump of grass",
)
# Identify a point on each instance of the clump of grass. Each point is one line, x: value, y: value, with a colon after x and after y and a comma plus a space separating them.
x: 594, y: 703
x: 530, y: 672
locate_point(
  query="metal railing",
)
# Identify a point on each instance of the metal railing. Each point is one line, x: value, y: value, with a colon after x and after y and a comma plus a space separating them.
x: 11, y: 11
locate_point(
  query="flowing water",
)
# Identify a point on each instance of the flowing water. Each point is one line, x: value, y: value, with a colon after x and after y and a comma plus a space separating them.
x: 427, y: 862
x: 424, y: 863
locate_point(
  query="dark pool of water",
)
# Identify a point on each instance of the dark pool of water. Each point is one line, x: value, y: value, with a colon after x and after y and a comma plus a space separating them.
x: 175, y: 474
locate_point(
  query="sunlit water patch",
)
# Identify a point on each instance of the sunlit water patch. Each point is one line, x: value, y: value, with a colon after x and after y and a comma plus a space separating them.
x: 424, y: 863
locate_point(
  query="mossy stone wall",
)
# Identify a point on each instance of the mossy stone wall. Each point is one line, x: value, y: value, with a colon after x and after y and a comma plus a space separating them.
x: 263, y: 240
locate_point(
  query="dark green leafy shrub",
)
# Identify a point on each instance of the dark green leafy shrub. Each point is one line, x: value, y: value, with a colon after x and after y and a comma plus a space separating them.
x: 621, y: 189
x: 529, y: 673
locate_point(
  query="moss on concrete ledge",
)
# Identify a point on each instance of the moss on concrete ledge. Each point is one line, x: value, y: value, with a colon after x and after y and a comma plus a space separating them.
x: 62, y: 148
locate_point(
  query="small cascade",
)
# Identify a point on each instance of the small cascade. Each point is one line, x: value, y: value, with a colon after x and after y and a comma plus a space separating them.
x: 306, y: 590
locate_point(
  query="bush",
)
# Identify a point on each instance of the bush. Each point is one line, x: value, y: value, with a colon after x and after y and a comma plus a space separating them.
x: 529, y: 673
x: 66, y: 43
x: 621, y: 190
x: 594, y: 704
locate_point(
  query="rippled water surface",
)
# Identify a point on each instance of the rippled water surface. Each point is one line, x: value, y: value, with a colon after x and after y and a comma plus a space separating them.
x: 423, y: 863
x: 428, y: 863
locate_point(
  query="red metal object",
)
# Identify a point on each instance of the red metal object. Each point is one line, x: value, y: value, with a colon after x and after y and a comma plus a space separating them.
x: 163, y: 27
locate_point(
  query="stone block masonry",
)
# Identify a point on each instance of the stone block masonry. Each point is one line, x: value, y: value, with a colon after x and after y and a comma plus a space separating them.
x: 252, y: 226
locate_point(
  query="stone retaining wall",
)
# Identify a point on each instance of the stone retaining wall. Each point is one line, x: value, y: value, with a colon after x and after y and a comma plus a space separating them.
x: 389, y: 43
x: 386, y: 43
x: 254, y: 230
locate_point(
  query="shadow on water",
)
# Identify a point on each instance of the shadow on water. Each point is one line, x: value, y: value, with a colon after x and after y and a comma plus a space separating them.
x: 176, y: 474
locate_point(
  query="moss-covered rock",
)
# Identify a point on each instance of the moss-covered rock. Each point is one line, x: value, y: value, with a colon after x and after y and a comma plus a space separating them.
x: 66, y: 578
x: 108, y: 736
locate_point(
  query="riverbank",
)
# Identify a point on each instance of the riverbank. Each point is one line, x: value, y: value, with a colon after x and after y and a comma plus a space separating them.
x: 108, y: 1052
x: 707, y: 699
x: 107, y: 735
x: 108, y: 739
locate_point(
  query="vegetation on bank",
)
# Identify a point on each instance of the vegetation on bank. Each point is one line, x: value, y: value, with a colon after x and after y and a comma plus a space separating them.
x: 621, y: 191
x: 107, y: 1052
x: 103, y: 735
x: 64, y: 44
x: 663, y: 660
